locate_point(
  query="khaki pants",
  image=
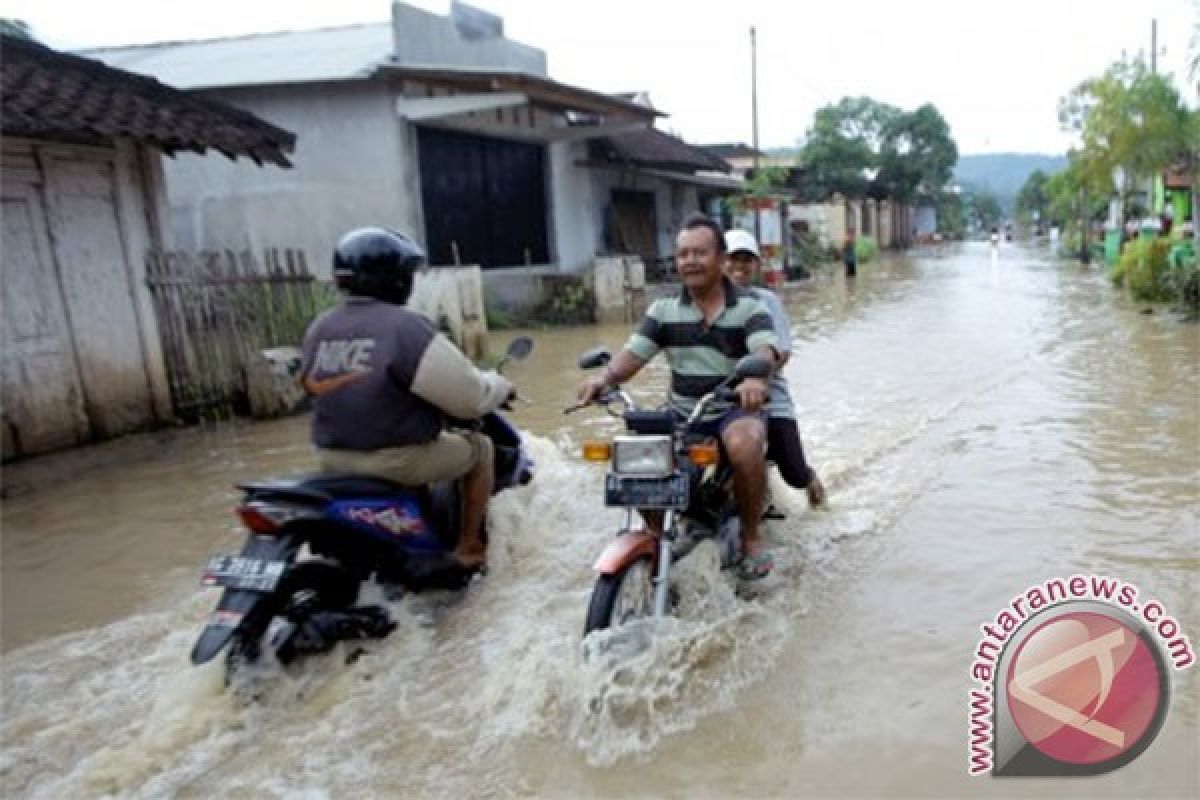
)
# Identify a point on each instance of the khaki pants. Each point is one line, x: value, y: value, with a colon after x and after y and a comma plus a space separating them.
x: 451, y: 455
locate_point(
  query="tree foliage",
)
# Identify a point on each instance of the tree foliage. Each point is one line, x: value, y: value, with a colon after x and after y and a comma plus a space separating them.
x: 1127, y: 117
x: 951, y: 214
x: 1065, y: 193
x: 840, y: 147
x: 1031, y: 199
x: 859, y: 141
x: 918, y: 153
x: 984, y: 208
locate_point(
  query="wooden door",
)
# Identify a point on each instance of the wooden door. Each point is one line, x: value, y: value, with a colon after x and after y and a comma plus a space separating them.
x: 635, y: 224
x: 40, y: 390
x: 97, y: 286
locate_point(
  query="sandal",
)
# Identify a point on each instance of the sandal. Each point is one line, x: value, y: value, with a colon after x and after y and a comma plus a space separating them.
x: 755, y: 567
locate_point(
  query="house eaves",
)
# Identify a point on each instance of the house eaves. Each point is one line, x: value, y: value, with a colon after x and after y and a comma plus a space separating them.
x: 541, y: 92
x: 653, y: 148
x: 49, y: 94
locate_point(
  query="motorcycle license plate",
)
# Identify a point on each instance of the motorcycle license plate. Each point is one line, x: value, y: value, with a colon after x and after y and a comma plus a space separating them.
x: 623, y: 490
x: 243, y: 572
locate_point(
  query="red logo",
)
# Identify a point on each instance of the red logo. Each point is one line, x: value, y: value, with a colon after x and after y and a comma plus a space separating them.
x: 1084, y: 688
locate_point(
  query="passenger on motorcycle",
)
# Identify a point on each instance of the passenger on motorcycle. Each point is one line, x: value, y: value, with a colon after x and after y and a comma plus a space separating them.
x: 783, y: 435
x: 704, y: 330
x: 384, y: 382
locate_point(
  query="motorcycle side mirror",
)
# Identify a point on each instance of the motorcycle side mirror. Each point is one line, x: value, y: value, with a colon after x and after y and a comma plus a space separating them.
x: 752, y: 366
x: 596, y: 357
x: 519, y: 348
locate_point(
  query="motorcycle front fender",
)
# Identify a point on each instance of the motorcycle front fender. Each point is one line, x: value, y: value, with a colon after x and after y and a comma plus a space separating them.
x: 237, y: 604
x: 625, y: 549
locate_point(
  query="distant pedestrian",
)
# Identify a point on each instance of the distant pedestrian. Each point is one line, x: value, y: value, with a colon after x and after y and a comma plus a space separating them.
x: 849, y: 256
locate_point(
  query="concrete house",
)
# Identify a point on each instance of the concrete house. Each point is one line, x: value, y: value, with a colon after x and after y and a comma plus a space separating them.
x: 438, y: 126
x: 83, y: 200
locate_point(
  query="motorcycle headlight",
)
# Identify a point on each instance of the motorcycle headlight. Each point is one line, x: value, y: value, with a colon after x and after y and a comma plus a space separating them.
x: 648, y: 456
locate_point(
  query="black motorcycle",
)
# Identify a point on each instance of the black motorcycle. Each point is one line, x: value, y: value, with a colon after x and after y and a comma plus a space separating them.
x: 355, y: 528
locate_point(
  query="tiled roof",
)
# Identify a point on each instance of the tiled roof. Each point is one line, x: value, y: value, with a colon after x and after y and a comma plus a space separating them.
x: 732, y: 150
x: 653, y: 148
x: 49, y: 93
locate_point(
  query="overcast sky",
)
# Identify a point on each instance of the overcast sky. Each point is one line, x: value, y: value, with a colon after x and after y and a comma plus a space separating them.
x: 994, y: 69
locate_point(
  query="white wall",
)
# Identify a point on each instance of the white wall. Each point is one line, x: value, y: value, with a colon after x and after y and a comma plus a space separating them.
x: 352, y: 167
x: 925, y: 220
x: 423, y: 39
x: 577, y: 208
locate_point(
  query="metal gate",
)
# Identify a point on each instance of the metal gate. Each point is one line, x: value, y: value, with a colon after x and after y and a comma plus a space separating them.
x: 484, y: 199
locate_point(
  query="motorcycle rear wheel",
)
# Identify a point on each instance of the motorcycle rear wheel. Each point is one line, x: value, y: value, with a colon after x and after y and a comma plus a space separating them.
x: 622, y: 596
x: 334, y: 588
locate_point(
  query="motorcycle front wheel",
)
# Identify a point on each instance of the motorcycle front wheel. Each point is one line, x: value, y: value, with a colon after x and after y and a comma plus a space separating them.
x: 624, y: 595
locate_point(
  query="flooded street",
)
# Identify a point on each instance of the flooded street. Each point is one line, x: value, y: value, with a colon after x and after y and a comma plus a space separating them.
x: 982, y: 424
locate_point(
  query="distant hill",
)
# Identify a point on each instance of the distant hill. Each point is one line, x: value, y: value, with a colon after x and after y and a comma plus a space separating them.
x: 1003, y: 174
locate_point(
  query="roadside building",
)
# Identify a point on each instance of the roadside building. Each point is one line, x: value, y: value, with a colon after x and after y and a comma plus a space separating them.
x: 84, y: 200
x: 438, y: 126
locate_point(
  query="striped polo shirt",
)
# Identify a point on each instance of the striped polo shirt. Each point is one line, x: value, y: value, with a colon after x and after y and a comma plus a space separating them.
x: 700, y: 355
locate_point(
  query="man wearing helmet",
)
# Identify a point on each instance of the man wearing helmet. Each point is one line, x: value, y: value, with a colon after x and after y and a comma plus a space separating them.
x: 384, y: 381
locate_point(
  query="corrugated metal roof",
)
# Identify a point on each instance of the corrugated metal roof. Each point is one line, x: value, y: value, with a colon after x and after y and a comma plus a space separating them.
x: 48, y: 94
x: 325, y: 54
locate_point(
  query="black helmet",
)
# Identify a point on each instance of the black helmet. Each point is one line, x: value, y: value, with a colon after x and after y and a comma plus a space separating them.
x: 377, y: 262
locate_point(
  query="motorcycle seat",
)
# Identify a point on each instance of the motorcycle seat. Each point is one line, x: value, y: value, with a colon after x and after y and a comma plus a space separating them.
x: 329, y: 486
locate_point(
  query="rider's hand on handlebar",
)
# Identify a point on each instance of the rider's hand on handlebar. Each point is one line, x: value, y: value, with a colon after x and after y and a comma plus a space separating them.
x: 752, y: 393
x: 591, y: 388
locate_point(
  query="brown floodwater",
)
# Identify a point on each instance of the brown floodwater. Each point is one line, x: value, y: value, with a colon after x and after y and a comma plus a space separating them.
x: 983, y: 423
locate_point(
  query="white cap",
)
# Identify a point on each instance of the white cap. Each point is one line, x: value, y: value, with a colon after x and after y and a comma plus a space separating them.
x: 741, y: 240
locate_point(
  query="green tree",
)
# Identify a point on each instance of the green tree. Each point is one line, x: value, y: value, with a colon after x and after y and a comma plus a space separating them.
x: 951, y: 215
x: 917, y: 153
x: 1065, y: 193
x: 984, y: 208
x: 1031, y: 198
x: 843, y: 145
x: 1128, y: 117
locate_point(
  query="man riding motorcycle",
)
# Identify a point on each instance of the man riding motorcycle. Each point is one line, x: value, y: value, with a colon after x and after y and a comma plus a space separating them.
x: 703, y: 331
x: 384, y: 381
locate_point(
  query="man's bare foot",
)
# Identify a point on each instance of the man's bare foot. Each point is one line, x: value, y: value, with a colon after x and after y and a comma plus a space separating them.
x: 470, y: 557
x: 816, y: 493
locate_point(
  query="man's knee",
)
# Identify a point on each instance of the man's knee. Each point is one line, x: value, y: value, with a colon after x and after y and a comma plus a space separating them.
x: 483, y: 454
x: 744, y: 441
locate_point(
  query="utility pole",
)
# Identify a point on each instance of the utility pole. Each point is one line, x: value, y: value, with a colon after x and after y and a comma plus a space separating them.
x: 1085, y: 255
x: 754, y: 123
x: 1154, y: 46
